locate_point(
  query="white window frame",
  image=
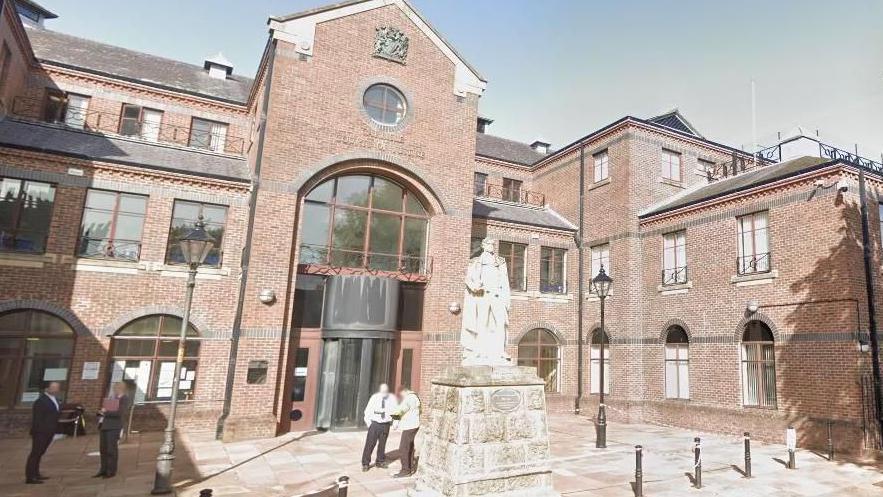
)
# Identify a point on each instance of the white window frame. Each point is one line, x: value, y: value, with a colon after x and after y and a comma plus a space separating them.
x: 600, y: 254
x: 671, y: 162
x: 595, y: 366
x: 753, y: 243
x: 677, y: 371
x: 602, y: 166
x: 674, y: 258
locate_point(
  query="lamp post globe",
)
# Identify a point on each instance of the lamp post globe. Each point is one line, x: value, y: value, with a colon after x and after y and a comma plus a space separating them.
x: 601, y: 284
x: 195, y: 247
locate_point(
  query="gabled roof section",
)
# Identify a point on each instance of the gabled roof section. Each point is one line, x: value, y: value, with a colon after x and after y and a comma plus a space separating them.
x: 300, y: 30
x: 675, y: 120
x: 507, y: 212
x: 54, y: 48
x: 757, y: 177
x: 494, y: 147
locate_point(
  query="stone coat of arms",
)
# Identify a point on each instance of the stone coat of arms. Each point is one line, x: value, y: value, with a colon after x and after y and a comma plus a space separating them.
x: 391, y: 43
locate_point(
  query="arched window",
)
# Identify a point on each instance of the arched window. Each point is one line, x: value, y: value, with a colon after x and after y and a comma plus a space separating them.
x: 364, y: 221
x: 758, y: 366
x: 35, y: 348
x: 539, y: 348
x: 595, y: 369
x: 677, y: 363
x: 144, y: 353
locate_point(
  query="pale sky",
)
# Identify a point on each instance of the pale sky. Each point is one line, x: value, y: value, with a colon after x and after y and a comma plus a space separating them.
x: 560, y: 69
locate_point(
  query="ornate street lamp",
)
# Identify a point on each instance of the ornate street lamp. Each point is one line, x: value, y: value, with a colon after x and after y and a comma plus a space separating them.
x: 601, y: 286
x: 195, y: 247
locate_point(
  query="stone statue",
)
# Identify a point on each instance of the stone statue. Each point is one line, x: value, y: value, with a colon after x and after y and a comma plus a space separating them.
x: 486, y: 309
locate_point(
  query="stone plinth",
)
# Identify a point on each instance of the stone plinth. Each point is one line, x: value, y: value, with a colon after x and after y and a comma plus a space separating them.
x: 486, y: 435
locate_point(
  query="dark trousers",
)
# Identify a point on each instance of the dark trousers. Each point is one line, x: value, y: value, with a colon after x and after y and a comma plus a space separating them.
x: 406, y: 450
x: 109, y: 448
x: 39, y: 443
x: 377, y: 434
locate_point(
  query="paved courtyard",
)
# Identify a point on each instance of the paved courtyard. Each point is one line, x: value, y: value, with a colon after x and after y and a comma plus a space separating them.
x: 295, y: 463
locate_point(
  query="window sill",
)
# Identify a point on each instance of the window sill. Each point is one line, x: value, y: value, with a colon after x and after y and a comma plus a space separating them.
x: 599, y: 184
x: 677, y: 400
x: 671, y: 182
x: 677, y: 289
x: 591, y: 297
x: 755, y: 278
x: 107, y: 266
x: 24, y: 259
x: 554, y: 297
x: 520, y: 296
x: 203, y: 273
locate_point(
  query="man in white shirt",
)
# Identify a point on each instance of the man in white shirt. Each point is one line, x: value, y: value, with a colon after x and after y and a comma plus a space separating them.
x: 408, y: 420
x: 378, y: 417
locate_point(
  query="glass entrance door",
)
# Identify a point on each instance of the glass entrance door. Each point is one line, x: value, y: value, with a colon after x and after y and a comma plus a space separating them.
x: 352, y: 369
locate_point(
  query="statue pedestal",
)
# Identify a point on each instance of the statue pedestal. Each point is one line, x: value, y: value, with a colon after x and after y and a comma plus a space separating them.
x: 487, y: 435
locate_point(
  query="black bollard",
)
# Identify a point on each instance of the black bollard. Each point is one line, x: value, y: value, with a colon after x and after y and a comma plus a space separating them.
x: 747, y: 455
x: 205, y: 492
x: 697, y: 463
x: 791, y: 442
x: 342, y: 483
x: 830, y: 440
x: 639, y: 471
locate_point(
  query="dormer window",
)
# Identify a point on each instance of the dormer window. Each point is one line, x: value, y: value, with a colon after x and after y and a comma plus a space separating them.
x: 541, y: 146
x: 218, y: 66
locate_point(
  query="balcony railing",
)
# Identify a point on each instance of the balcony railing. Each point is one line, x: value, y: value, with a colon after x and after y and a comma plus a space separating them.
x: 517, y: 195
x: 115, y: 124
x: 736, y: 165
x: 755, y: 263
x: 674, y: 276
x: 322, y: 259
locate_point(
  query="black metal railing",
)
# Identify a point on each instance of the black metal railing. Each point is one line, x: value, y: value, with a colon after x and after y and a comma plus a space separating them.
x: 674, y: 276
x: 114, y: 123
x: 737, y: 164
x: 371, y: 262
x: 755, y: 263
x: 108, y: 248
x: 516, y: 195
x: 774, y: 154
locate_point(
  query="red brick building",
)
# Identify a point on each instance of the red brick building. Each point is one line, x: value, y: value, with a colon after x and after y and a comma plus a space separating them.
x: 348, y: 183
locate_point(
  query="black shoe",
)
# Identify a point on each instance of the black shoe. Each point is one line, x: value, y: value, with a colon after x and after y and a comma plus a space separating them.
x: 365, y: 469
x: 402, y: 474
x: 108, y: 476
x: 42, y: 478
x: 98, y: 474
x: 33, y: 482
x: 382, y: 465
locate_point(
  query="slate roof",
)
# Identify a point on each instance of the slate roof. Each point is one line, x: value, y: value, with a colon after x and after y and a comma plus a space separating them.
x: 73, y: 143
x: 733, y: 184
x: 675, y: 120
x: 519, y: 214
x: 495, y: 147
x: 65, y: 50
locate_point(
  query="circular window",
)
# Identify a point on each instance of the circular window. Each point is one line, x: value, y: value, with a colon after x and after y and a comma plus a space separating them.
x: 384, y: 104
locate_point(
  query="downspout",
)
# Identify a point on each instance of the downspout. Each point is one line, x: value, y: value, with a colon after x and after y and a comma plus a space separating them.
x: 580, y: 270
x: 246, y: 251
x: 872, y: 313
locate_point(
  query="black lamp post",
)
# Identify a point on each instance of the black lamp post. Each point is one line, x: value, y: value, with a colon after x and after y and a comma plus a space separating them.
x: 601, y: 285
x: 195, y: 247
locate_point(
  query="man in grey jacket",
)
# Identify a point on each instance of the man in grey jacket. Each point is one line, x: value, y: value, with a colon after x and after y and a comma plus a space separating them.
x: 407, y: 417
x: 113, y: 421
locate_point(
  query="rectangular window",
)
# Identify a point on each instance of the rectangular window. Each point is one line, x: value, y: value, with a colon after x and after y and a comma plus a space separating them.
x: 595, y: 370
x: 184, y: 218
x: 600, y: 258
x: 25, y: 214
x: 758, y: 374
x: 112, y: 225
x: 601, y: 166
x: 208, y: 135
x: 706, y: 166
x: 552, y: 270
x: 511, y: 190
x: 754, y: 251
x: 5, y: 61
x: 674, y: 258
x: 257, y: 372
x: 140, y: 122
x: 407, y: 367
x: 68, y: 108
x: 301, y: 369
x: 671, y: 165
x: 515, y: 255
x: 677, y: 371
x: 479, y: 184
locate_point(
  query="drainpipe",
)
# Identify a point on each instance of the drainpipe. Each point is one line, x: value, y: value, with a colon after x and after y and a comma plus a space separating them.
x: 580, y: 283
x: 246, y: 251
x: 872, y: 313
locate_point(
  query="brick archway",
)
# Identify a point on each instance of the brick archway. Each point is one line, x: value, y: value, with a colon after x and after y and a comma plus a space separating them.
x: 540, y: 325
x: 674, y: 322
x: 757, y: 316
x: 126, y: 318
x: 41, y: 305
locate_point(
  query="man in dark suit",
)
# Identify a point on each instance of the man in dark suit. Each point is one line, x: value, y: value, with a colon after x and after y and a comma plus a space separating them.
x: 46, y: 411
x: 113, y: 420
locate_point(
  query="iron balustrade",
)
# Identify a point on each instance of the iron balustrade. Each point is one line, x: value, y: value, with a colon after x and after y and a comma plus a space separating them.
x: 774, y: 154
x: 674, y: 276
x: 371, y: 262
x: 516, y: 195
x: 109, y: 248
x: 116, y: 124
x: 755, y: 263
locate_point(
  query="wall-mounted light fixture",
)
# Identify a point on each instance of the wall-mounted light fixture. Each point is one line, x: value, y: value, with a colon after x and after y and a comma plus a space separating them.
x: 752, y: 306
x: 267, y: 296
x: 454, y: 308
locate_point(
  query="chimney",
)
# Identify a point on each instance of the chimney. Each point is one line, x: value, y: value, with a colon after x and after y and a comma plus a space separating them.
x: 483, y: 123
x: 541, y: 146
x: 218, y: 66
